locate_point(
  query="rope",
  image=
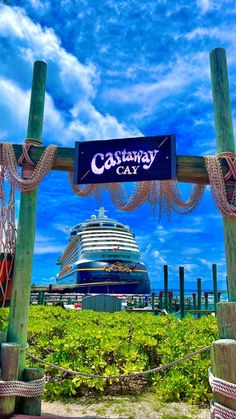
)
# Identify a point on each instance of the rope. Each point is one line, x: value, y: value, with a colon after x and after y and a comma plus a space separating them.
x: 221, y: 386
x: 35, y: 176
x: 225, y: 388
x: 164, y: 194
x: 120, y: 377
x: 218, y: 411
x: 33, y: 388
x: 224, y: 197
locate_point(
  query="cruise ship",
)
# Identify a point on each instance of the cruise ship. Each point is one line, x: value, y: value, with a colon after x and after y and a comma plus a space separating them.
x: 102, y: 256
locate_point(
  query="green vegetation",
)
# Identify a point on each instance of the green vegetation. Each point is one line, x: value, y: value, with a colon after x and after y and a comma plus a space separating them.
x: 120, y: 343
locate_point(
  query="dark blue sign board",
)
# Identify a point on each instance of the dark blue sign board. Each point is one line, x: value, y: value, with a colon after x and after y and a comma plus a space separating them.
x: 125, y: 160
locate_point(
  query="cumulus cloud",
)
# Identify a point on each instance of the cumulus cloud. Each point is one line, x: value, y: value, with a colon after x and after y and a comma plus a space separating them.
x: 72, y: 85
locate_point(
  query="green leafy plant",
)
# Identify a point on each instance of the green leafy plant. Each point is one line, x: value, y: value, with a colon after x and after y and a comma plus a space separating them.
x: 117, y: 344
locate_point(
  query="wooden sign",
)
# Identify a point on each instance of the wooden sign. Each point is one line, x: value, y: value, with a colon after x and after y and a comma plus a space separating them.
x: 125, y: 160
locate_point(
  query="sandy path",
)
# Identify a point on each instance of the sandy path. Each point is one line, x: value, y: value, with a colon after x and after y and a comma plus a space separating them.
x: 126, y: 410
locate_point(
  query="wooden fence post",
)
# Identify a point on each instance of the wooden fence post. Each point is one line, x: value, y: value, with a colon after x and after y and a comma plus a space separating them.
x: 214, y: 277
x: 224, y: 351
x: 32, y: 405
x: 10, y: 354
x: 199, y: 297
x: 166, y: 287
x: 181, y: 289
x: 224, y: 142
x: 20, y: 300
x: 224, y: 358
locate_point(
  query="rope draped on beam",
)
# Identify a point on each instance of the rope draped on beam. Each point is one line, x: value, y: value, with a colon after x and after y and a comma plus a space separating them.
x: 163, y: 194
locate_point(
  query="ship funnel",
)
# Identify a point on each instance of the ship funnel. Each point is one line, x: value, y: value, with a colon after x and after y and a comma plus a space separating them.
x: 101, y: 212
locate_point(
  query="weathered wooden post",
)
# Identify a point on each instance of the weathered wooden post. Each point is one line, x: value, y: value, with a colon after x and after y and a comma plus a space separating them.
x: 166, y: 287
x: 181, y: 289
x: 194, y: 301
x: 224, y: 350
x: 10, y: 354
x: 199, y: 297
x: 215, y: 288
x: 206, y: 300
x: 19, y: 310
x: 170, y: 298
x: 161, y: 299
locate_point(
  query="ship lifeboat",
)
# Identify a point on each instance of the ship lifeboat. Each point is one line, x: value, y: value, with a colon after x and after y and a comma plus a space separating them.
x: 6, y: 269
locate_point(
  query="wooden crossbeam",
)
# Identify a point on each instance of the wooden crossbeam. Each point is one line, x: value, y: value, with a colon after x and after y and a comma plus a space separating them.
x: 189, y: 168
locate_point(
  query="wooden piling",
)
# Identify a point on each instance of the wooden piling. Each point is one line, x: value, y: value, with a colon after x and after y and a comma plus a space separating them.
x: 32, y: 405
x: 224, y: 142
x: 19, y: 311
x: 215, y: 288
x: 170, y: 298
x: 224, y: 360
x: 224, y: 351
x: 194, y: 301
x: 226, y: 315
x: 10, y: 356
x: 199, y: 296
x: 206, y: 300
x: 166, y: 287
x: 153, y: 300
x: 181, y: 289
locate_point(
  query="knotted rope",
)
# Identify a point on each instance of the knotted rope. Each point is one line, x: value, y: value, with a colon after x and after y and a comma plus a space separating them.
x: 225, y: 388
x: 10, y: 165
x: 224, y: 197
x: 33, y: 388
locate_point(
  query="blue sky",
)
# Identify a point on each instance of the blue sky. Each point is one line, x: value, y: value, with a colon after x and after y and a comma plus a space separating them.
x: 120, y: 68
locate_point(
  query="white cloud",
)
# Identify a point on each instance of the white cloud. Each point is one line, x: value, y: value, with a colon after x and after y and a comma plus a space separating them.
x: 205, y: 262
x: 46, y: 245
x: 69, y: 81
x: 158, y: 256
x: 186, y: 230
x: 169, y: 81
x: 192, y: 251
x: 190, y: 267
x: 206, y: 5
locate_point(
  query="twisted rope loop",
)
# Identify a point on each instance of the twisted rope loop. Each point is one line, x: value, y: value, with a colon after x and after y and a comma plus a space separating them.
x: 218, y: 411
x: 225, y: 388
x: 223, y: 190
x: 33, y: 388
x: 165, y: 194
x: 10, y: 165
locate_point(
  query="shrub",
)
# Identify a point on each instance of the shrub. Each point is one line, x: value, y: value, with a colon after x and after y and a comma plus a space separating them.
x: 120, y: 343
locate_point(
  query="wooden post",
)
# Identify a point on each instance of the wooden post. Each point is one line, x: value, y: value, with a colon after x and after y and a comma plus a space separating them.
x: 226, y: 315
x: 153, y: 300
x: 194, y: 301
x: 199, y: 296
x: 214, y: 277
x: 224, y: 359
x: 161, y: 300
x: 170, y: 298
x: 224, y: 142
x: 19, y: 311
x: 181, y: 289
x: 224, y: 351
x: 166, y: 287
x: 206, y: 300
x: 32, y: 405
x: 10, y: 353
